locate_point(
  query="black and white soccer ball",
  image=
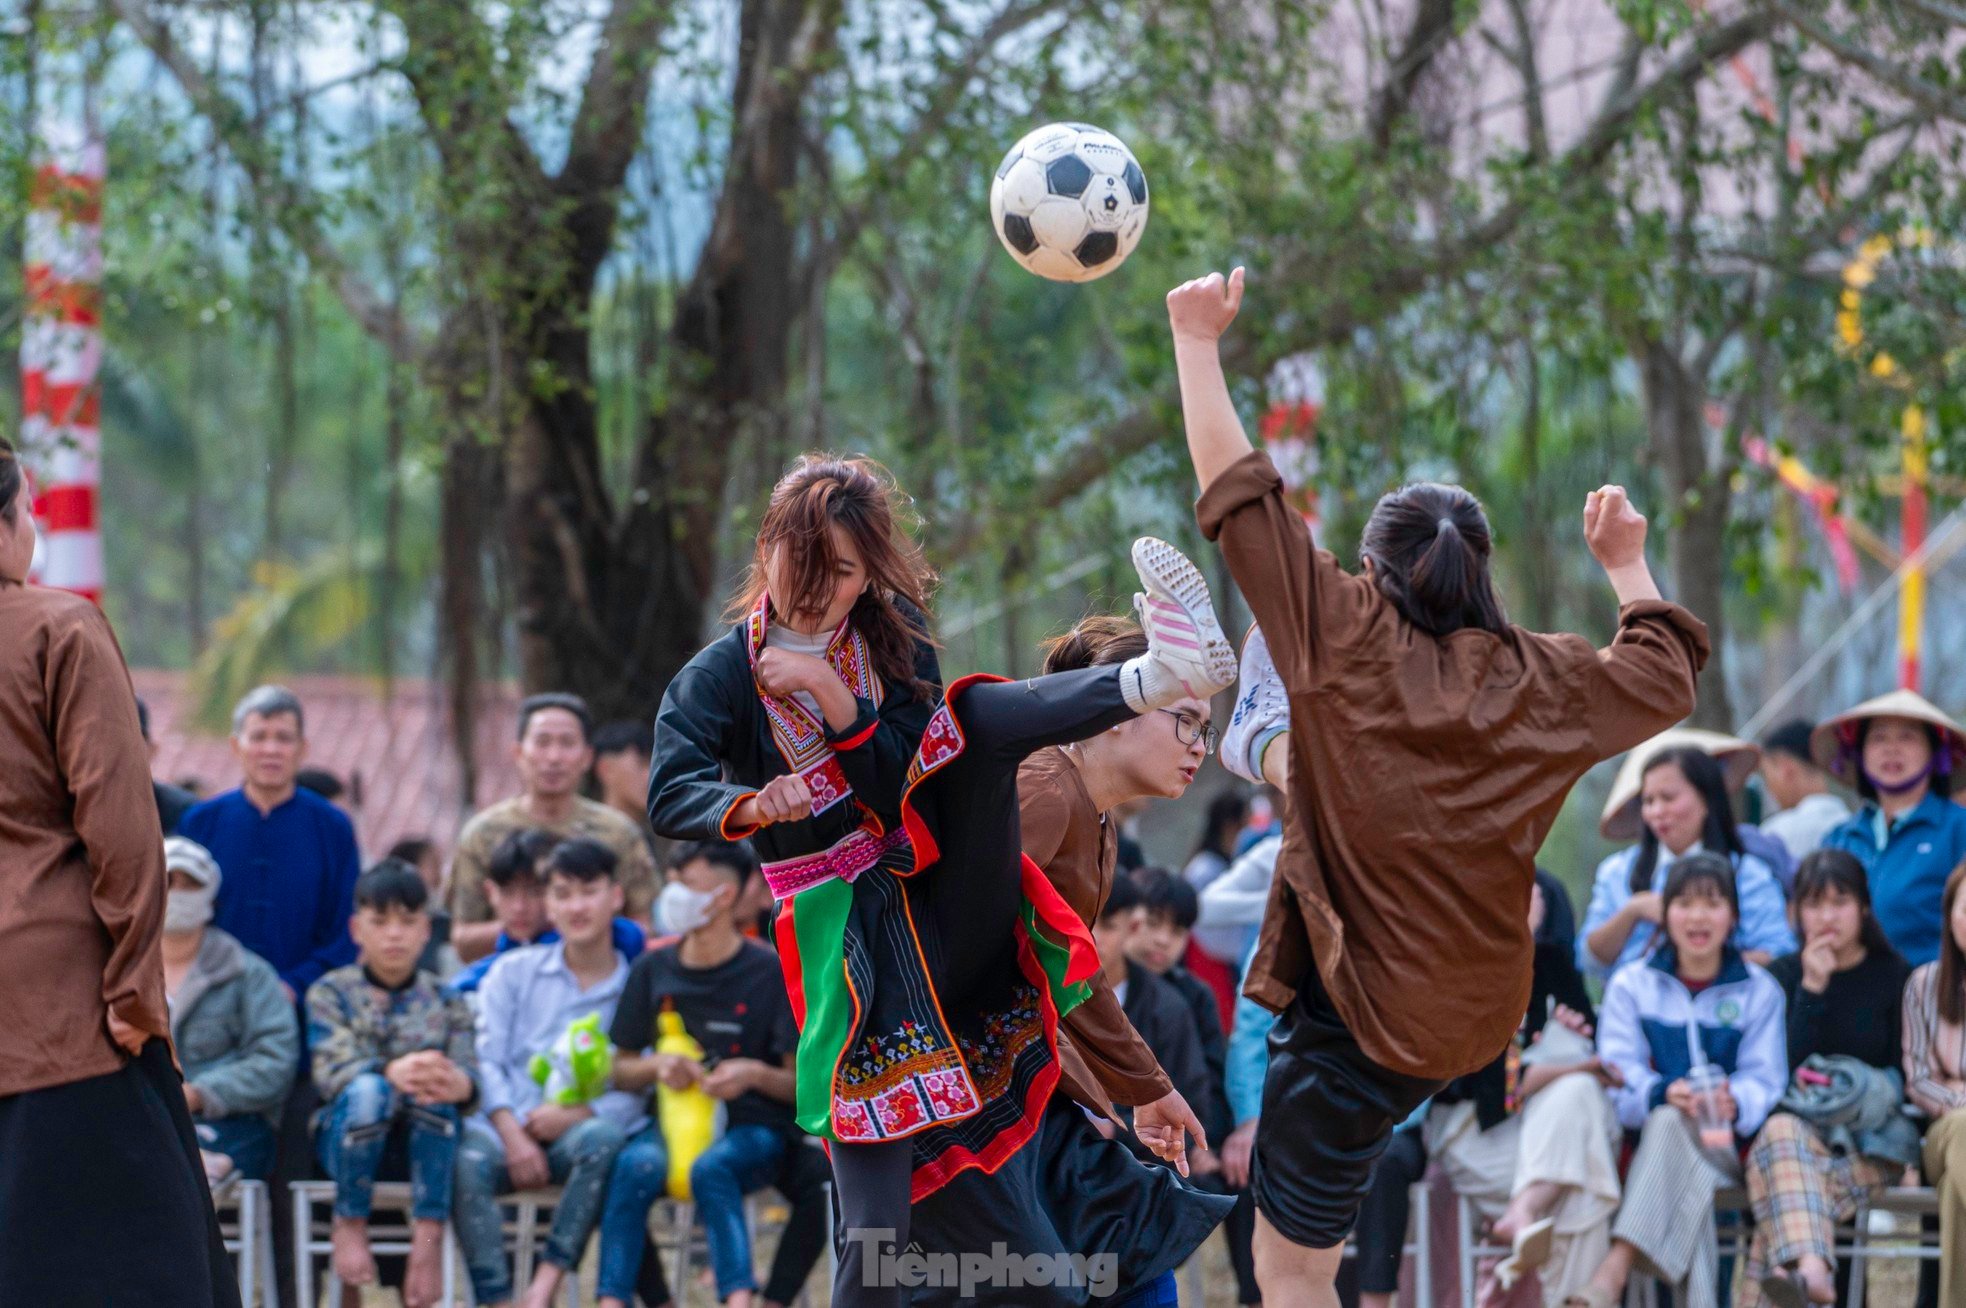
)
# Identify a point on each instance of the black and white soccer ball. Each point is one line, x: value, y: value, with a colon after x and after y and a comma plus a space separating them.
x: 1069, y: 202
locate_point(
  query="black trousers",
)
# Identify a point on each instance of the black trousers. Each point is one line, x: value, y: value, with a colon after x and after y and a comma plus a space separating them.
x: 1328, y: 1114
x: 103, y: 1202
x: 965, y: 907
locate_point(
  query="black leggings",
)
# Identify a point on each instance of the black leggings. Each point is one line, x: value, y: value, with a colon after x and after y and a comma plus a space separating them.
x: 966, y: 905
x: 1382, y: 1218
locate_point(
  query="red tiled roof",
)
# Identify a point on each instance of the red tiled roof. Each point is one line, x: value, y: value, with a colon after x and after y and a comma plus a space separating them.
x: 395, y: 758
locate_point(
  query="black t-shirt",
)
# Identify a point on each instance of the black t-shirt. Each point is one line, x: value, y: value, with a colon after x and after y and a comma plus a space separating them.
x: 1860, y: 1013
x: 736, y: 1009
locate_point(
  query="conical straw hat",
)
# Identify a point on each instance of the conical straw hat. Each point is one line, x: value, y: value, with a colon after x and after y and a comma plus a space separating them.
x: 1737, y: 758
x: 1834, y: 743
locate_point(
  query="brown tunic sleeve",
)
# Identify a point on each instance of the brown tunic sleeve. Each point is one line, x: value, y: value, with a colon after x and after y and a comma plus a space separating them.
x: 1646, y: 677
x: 100, y: 748
x: 1311, y: 610
x: 1056, y: 837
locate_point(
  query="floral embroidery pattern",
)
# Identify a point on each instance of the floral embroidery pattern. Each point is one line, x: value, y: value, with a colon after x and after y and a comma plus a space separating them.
x: 800, y: 737
x: 896, y: 1084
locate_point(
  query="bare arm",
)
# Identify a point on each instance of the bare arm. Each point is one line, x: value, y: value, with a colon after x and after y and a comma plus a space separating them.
x: 1616, y: 533
x: 1199, y: 312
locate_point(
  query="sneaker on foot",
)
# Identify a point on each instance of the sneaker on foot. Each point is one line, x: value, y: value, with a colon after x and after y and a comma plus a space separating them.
x: 1187, y: 654
x: 1262, y: 711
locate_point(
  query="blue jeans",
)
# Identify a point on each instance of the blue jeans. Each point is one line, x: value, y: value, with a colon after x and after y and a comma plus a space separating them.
x: 579, y: 1163
x: 358, y: 1129
x: 639, y: 1178
x: 1161, y: 1292
x: 746, y: 1159
x: 247, y: 1141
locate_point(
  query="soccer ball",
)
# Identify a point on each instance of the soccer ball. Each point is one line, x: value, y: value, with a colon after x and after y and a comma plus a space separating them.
x: 1069, y: 202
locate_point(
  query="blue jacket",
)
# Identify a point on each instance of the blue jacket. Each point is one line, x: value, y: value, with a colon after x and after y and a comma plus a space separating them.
x: 289, y: 880
x: 1655, y: 1029
x: 1764, y: 924
x: 1908, y: 869
x: 629, y: 941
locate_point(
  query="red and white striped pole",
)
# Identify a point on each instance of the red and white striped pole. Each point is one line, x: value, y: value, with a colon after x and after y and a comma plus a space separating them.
x: 61, y: 343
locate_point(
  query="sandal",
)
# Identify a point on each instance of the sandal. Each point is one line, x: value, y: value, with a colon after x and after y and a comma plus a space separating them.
x: 1528, y: 1251
x: 1785, y: 1290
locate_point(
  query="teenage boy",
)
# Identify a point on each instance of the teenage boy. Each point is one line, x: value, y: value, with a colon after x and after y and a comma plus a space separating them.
x: 395, y: 1062
x: 526, y: 1003
x: 730, y: 993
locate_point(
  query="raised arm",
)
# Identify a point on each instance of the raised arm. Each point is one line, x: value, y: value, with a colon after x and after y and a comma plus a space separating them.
x: 1199, y: 312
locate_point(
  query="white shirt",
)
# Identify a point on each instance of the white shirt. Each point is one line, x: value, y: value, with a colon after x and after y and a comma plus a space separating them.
x: 780, y: 636
x: 1232, y: 904
x: 1803, y: 827
x: 526, y: 1002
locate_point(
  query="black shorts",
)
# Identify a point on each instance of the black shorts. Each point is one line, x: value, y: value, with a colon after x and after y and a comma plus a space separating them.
x: 1328, y: 1113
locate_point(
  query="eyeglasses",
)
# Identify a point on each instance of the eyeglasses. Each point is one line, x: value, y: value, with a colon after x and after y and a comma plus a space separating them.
x: 1188, y: 729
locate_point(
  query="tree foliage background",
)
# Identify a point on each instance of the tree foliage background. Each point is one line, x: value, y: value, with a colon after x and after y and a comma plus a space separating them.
x: 462, y: 339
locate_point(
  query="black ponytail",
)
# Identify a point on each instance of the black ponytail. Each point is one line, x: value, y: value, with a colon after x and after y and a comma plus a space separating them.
x: 1429, y: 547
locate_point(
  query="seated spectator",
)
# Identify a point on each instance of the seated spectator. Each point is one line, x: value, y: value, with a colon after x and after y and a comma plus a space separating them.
x: 1685, y: 810
x: 1899, y: 752
x: 395, y: 1065
x: 1695, y: 1009
x: 1737, y: 759
x: 1845, y: 991
x: 554, y: 752
x: 621, y: 769
x: 421, y: 853
x: 1156, y: 1010
x: 731, y: 997
x: 1227, y: 813
x: 515, y: 883
x: 1935, y: 1081
x: 526, y: 1004
x: 1806, y: 810
x: 173, y: 802
x: 1530, y: 1139
x: 234, y: 1030
x: 1169, y: 907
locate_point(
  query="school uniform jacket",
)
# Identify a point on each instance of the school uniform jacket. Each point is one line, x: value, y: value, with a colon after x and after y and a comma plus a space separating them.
x: 1655, y: 1029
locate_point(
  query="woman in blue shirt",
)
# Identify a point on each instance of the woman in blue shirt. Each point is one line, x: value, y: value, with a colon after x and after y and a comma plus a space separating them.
x: 1683, y: 803
x: 1899, y: 752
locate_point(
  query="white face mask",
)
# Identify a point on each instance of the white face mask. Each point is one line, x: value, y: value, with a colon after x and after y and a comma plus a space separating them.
x: 680, y: 910
x: 187, y: 910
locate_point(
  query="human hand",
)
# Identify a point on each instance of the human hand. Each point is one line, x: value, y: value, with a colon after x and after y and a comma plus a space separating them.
x: 129, y: 1039
x: 1164, y: 1126
x: 730, y: 1078
x: 1572, y: 1020
x: 551, y: 1121
x: 784, y: 799
x: 781, y: 672
x: 1201, y: 310
x: 677, y: 1072
x: 1614, y: 529
x: 525, y: 1161
x: 194, y: 1099
x: 1818, y: 964
x: 1647, y: 906
x: 1238, y: 1151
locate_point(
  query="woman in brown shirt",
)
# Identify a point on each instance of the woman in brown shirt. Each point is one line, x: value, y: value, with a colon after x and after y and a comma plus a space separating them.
x: 1431, y: 745
x: 102, y: 1197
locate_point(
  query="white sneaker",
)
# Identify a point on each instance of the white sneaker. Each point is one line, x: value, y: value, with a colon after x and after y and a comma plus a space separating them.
x: 1262, y: 711
x: 1187, y: 654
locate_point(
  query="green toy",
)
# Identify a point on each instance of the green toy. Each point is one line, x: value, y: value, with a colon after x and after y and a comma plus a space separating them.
x: 576, y: 1069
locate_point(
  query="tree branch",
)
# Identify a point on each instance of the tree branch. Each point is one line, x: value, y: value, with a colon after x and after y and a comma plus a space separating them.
x: 1906, y: 83
x: 233, y: 126
x: 1433, y: 24
x: 607, y: 127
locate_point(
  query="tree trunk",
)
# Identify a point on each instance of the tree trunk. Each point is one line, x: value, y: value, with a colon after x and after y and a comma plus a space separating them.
x: 609, y: 599
x: 1675, y: 415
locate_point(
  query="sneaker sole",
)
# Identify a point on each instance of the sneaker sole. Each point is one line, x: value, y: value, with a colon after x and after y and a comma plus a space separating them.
x: 1167, y: 571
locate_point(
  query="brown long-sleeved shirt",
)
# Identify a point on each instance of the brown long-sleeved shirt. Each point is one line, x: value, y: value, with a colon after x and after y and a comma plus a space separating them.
x: 1063, y: 834
x: 1424, y: 774
x: 81, y: 855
